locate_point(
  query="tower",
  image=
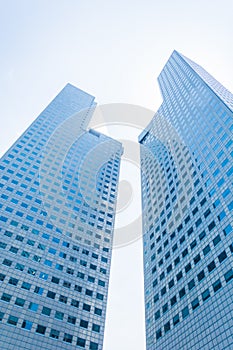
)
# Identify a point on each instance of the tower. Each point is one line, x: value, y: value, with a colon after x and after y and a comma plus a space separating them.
x: 186, y: 167
x: 58, y: 196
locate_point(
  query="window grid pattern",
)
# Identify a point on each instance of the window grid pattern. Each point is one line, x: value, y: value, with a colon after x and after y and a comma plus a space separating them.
x: 186, y: 160
x: 54, y: 277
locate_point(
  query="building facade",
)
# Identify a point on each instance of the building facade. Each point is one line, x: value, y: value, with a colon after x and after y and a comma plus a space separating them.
x: 186, y: 166
x: 58, y: 196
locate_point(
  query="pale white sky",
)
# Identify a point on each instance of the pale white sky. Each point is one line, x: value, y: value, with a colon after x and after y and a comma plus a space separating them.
x: 115, y: 51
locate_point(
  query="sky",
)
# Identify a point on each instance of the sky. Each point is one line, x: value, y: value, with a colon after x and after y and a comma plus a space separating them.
x: 114, y: 50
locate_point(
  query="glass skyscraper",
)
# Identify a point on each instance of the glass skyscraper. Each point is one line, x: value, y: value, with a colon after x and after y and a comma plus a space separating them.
x: 186, y: 167
x: 58, y: 196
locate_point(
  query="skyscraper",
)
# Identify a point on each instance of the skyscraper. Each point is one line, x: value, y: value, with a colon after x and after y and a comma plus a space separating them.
x: 58, y: 196
x: 186, y: 166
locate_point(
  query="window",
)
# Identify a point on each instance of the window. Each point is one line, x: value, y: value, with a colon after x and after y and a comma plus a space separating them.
x: 31, y: 271
x: 52, y: 251
x: 46, y: 311
x: 81, y: 342
x: 171, y: 284
x: 185, y: 252
x: 37, y: 258
x: 59, y: 267
x: 12, y: 320
x: 83, y: 263
x: 216, y: 240
x: 176, y: 319
x: 228, y: 275
x: 99, y: 296
x: 59, y: 315
x: 80, y: 275
x: 27, y: 325
x: 157, y: 315
x: 205, y: 295
x: 156, y: 298
x: 7, y: 262
x: 93, y: 267
x: 51, y: 295
x: 211, y: 226
x: 93, y: 346
x: 197, y: 259
x: 191, y: 284
x: 33, y: 306
x: 13, y: 281
x: 91, y: 279
x: 26, y: 285
x: 68, y: 338
x: 20, y: 302
x: 86, y: 307
x: 71, y: 319
x: 54, y: 334
x: 8, y: 233
x: 55, y: 280
x: 48, y: 262
x: 19, y: 267
x: 89, y: 292
x: 40, y: 329
x: 13, y: 250
x: 2, y: 277
x: 63, y: 299
x: 83, y: 324
x: 211, y: 266
x: 74, y: 303
x: 158, y: 334
x: 227, y: 230
x: 96, y: 328
x: 3, y: 245
x: 31, y: 242
x: 25, y: 254
x: 66, y: 284
x: 6, y: 297
x: 193, y: 244
x: 174, y: 247
x: 206, y: 250
x: 195, y: 303
x: 200, y: 276
x: 70, y: 271
x: 41, y: 246
x: 190, y: 231
x: 182, y: 239
x: 62, y: 255
x: 38, y: 290
x: 167, y: 327
x: 43, y: 276
x: 202, y: 235
x: 78, y: 288
x: 179, y: 276
x: 173, y: 300
x: 98, y: 311
x: 165, y: 308
x: 188, y: 267
x: 182, y: 293
x: 217, y: 285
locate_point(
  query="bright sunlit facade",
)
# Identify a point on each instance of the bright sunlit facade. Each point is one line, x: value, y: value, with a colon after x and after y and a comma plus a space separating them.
x: 58, y: 196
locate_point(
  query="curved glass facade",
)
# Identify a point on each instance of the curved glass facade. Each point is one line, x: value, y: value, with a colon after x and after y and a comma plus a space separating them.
x: 58, y: 196
x: 186, y: 160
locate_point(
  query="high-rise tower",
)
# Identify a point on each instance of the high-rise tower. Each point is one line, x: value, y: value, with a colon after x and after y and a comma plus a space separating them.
x: 186, y: 164
x: 58, y: 196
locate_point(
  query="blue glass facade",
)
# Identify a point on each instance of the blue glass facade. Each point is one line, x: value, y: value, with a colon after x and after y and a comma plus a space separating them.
x: 186, y: 164
x: 58, y: 196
